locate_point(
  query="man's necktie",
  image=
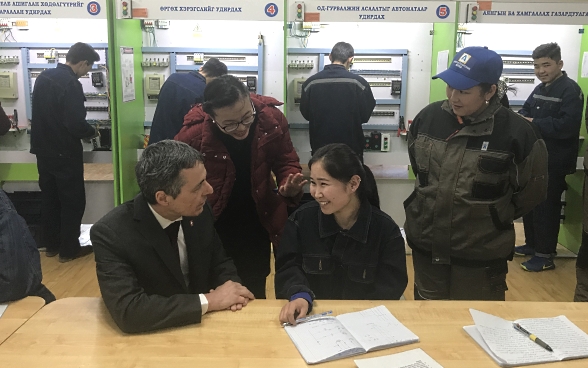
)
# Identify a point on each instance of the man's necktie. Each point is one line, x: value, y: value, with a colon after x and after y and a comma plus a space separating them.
x: 172, y: 233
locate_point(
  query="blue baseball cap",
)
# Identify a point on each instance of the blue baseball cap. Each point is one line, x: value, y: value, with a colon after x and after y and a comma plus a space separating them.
x: 472, y: 66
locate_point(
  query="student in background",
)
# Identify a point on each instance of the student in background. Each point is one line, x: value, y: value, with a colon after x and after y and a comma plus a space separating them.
x: 581, y: 293
x: 478, y: 166
x: 178, y: 94
x: 341, y: 246
x: 58, y: 125
x: 244, y: 139
x: 337, y: 102
x: 555, y: 107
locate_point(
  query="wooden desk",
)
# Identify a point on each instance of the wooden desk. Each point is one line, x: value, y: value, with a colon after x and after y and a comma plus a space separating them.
x: 98, y: 172
x: 17, y: 314
x: 78, y: 332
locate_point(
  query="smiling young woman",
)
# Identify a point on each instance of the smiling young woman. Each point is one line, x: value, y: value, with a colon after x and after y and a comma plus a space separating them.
x: 342, y: 246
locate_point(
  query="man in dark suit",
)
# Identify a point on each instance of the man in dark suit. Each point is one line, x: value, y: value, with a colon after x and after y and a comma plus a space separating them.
x: 154, y: 273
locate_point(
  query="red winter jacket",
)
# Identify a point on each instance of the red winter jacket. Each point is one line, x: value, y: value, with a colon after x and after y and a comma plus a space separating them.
x: 271, y: 151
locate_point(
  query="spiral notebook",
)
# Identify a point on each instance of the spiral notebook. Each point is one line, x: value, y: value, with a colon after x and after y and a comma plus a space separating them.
x: 330, y: 338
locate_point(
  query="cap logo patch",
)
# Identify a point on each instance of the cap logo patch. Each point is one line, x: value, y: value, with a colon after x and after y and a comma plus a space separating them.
x: 464, y: 58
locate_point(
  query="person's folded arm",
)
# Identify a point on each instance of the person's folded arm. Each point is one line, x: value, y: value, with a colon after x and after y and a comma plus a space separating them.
x: 130, y: 306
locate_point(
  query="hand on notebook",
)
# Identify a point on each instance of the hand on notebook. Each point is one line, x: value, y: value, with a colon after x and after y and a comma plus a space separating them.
x: 230, y: 295
x: 297, y: 308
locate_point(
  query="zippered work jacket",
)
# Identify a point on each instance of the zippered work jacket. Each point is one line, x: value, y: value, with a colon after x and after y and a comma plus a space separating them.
x: 472, y: 181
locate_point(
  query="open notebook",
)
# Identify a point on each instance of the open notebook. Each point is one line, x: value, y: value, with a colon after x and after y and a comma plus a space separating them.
x: 329, y: 338
x: 511, y: 348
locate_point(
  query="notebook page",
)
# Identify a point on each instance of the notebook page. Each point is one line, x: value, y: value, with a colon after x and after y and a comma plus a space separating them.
x: 3, y: 308
x: 377, y: 328
x: 560, y: 334
x: 475, y: 334
x: 323, y: 339
x: 415, y: 358
x: 508, y: 344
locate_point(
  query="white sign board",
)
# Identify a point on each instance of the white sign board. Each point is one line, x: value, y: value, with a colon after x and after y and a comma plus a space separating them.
x: 127, y: 67
x: 95, y: 9
x: 377, y: 11
x: 527, y: 13
x: 212, y: 10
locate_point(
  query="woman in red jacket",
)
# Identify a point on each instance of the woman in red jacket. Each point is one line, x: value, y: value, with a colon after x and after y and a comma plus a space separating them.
x: 244, y: 138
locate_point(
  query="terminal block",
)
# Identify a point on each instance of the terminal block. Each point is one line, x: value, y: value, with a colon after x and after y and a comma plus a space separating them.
x: 383, y: 113
x: 198, y: 58
x: 9, y: 60
x: 5, y: 24
x: 148, y: 23
x: 301, y: 64
x: 97, y: 108
x: 153, y: 62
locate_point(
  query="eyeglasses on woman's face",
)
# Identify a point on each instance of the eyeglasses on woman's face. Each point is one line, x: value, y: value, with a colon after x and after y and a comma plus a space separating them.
x: 230, y: 126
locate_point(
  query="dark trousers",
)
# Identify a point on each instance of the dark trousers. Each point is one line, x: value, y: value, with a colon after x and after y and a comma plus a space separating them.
x: 452, y: 282
x: 63, y: 201
x: 250, y: 250
x: 542, y: 223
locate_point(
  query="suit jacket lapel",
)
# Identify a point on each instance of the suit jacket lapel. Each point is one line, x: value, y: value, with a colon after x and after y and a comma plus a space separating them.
x: 156, y: 237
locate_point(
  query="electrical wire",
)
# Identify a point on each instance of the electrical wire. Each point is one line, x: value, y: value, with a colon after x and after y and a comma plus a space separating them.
x: 11, y: 35
x: 302, y: 38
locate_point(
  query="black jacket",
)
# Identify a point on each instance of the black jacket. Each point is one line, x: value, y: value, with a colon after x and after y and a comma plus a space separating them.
x: 20, y: 265
x: 179, y: 93
x: 139, y: 273
x: 557, y: 112
x: 59, y: 115
x: 336, y: 103
x: 316, y: 256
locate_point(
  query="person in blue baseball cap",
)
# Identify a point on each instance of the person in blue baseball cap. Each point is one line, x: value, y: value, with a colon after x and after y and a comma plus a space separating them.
x: 478, y: 166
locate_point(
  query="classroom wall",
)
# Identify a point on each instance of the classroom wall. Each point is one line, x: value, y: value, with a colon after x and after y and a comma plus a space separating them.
x: 44, y: 31
x: 417, y: 39
x: 528, y: 37
x: 226, y: 35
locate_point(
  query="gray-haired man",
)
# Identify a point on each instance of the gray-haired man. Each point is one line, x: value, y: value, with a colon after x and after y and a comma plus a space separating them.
x: 159, y: 260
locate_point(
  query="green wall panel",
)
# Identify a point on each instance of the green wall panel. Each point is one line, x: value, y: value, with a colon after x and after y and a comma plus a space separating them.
x: 444, y: 38
x: 570, y: 234
x: 19, y: 172
x: 128, y: 117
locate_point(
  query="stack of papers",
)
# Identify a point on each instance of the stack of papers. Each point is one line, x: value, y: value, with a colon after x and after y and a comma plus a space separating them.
x: 510, y: 348
x: 415, y: 358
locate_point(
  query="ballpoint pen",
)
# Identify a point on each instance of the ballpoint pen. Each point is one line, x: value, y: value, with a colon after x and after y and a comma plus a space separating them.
x: 535, y: 339
x: 308, y: 318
